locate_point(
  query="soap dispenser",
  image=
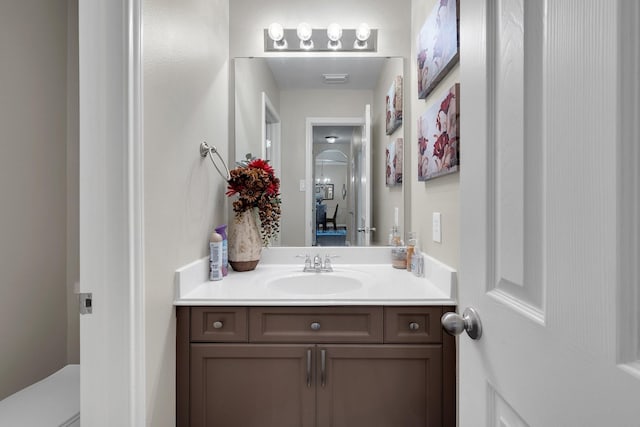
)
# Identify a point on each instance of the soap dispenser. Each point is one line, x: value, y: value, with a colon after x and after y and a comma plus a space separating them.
x: 215, y: 256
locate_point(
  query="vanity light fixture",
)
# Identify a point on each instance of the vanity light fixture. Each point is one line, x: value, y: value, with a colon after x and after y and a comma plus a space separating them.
x: 334, y: 33
x: 305, y: 32
x: 333, y: 38
x: 331, y: 139
x: 276, y: 33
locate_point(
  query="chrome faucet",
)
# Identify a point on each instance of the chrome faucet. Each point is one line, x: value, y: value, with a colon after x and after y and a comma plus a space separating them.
x: 317, y: 265
x: 327, y: 263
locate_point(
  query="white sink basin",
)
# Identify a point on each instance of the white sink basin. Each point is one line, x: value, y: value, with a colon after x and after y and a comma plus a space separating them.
x: 315, y: 283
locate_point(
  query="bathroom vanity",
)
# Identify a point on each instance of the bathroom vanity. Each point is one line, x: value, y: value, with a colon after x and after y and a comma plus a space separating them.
x: 270, y: 357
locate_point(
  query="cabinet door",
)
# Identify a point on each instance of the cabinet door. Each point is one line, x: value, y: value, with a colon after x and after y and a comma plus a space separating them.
x: 244, y: 385
x: 379, y: 386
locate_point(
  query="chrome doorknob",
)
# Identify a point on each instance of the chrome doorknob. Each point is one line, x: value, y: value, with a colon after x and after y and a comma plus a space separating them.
x: 366, y: 229
x: 454, y: 324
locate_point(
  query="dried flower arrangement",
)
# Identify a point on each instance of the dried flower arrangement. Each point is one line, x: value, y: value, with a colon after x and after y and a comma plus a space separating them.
x: 256, y: 185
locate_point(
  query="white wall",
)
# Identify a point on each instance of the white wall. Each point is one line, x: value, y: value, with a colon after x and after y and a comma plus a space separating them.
x: 186, y: 98
x: 295, y: 107
x: 386, y: 198
x: 33, y: 188
x: 252, y: 77
x: 440, y: 194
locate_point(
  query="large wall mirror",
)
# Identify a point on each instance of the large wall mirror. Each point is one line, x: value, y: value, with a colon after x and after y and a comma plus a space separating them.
x: 311, y: 118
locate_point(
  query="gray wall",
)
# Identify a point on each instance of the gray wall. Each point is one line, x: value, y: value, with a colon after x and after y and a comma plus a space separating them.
x: 441, y: 194
x: 186, y: 98
x: 73, y: 189
x: 252, y: 77
x: 295, y: 107
x: 386, y: 198
x: 34, y: 267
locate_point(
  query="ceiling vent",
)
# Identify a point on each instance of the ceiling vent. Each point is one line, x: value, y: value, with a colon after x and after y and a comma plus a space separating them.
x: 335, y: 78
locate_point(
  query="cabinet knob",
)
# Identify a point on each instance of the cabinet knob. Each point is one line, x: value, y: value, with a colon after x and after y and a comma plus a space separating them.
x: 218, y: 325
x: 414, y: 326
x: 315, y: 326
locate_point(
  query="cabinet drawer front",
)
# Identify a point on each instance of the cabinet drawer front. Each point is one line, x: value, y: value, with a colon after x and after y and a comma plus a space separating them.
x: 316, y: 324
x: 219, y: 324
x: 412, y: 325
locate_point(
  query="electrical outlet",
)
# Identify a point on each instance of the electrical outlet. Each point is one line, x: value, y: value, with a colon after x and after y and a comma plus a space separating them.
x: 437, y: 229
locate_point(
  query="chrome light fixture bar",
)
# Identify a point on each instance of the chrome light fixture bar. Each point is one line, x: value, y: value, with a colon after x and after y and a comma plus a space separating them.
x: 334, y: 38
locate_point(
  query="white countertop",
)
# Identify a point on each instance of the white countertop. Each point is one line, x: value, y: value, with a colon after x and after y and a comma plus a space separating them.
x: 383, y: 284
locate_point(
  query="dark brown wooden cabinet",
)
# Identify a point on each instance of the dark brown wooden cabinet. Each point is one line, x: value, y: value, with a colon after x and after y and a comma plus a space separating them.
x: 314, y: 366
x: 242, y: 385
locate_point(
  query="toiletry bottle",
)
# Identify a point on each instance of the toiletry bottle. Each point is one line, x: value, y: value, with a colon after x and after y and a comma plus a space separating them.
x: 215, y: 256
x: 398, y: 250
x: 222, y: 230
x: 411, y: 245
x: 394, y: 237
x: 417, y: 261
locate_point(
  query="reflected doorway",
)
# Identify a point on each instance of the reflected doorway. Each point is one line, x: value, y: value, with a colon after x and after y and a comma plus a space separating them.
x: 334, y: 170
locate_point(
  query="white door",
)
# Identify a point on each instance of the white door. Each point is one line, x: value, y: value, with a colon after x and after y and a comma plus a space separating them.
x: 364, y: 192
x: 549, y: 213
x: 111, y: 337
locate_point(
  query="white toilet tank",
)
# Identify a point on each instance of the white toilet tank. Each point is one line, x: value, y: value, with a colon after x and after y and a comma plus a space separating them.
x: 52, y: 402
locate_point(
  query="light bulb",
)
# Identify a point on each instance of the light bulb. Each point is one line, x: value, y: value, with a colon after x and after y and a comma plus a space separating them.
x: 363, y: 32
x: 334, y: 32
x: 304, y: 31
x: 276, y: 32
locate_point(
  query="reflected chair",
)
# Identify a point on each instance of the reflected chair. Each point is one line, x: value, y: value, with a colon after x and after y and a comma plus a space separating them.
x: 332, y: 220
x: 321, y: 216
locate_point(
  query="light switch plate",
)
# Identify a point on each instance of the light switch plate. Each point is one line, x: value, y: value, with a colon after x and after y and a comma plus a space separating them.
x: 303, y: 187
x: 437, y: 230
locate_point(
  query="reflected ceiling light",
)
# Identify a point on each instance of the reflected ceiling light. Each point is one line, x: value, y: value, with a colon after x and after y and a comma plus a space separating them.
x: 305, y: 32
x: 363, y: 32
x: 334, y: 33
x: 331, y: 139
x: 276, y: 33
x: 335, y: 78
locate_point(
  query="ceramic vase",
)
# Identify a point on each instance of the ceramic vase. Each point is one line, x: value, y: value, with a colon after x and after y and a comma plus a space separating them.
x: 245, y: 243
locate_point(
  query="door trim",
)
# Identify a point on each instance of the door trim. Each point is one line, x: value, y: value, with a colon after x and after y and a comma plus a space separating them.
x: 112, y: 230
x: 136, y: 214
x: 628, y: 228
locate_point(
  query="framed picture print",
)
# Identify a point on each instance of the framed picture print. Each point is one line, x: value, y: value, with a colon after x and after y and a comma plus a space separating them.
x: 324, y: 191
x: 438, y: 45
x: 394, y: 105
x: 439, y: 137
x: 394, y: 160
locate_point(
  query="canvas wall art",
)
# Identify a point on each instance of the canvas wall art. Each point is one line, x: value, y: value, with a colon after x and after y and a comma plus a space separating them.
x: 437, y: 46
x: 394, y: 160
x: 394, y: 105
x: 439, y: 137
